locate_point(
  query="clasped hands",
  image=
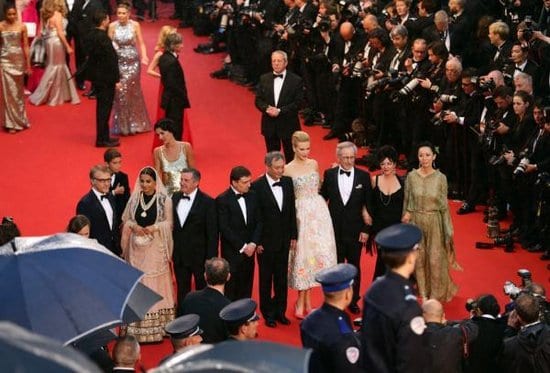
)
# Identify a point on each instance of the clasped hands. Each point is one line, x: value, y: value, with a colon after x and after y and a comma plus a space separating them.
x: 272, y: 111
x: 143, y: 231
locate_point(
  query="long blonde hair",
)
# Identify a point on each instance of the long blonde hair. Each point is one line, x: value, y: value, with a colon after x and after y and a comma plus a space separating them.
x: 49, y: 7
x: 164, y: 32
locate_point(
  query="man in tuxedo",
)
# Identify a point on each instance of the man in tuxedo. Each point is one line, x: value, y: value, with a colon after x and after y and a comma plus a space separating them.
x: 276, y: 199
x: 347, y: 190
x: 278, y: 98
x: 120, y: 187
x: 240, y: 226
x: 174, y: 97
x: 195, y: 233
x: 208, y: 302
x: 98, y: 205
x: 102, y: 71
x: 498, y: 36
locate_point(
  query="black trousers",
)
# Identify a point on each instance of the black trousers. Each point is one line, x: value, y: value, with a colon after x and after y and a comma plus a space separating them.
x: 350, y: 252
x: 273, y: 143
x: 175, y: 112
x: 105, y: 94
x: 239, y: 285
x: 273, y: 281
x: 183, y: 279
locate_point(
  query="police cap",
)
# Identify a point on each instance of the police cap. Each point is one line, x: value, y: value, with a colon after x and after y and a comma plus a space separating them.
x: 336, y: 278
x: 399, y: 238
x: 184, y: 326
x: 240, y: 311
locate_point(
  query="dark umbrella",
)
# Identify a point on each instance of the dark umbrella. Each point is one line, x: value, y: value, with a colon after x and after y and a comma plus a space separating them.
x: 68, y: 287
x: 22, y: 351
x: 234, y: 356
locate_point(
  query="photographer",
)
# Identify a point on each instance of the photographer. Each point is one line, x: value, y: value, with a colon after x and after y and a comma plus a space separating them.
x: 447, y: 341
x: 529, y: 351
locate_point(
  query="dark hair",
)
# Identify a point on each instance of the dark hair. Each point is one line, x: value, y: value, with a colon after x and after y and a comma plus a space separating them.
x: 387, y: 151
x: 196, y: 173
x: 171, y: 40
x: 488, y: 304
x: 439, y: 49
x: 426, y: 144
x: 238, y: 172
x: 77, y: 222
x: 98, y: 17
x: 393, y: 259
x: 233, y: 328
x: 111, y: 154
x: 503, y: 91
x: 525, y: 97
x: 429, y: 5
x: 166, y: 124
x: 470, y: 72
x: 380, y: 34
x: 149, y: 171
x: 527, y: 308
x: 9, y: 5
x: 8, y: 230
x: 216, y: 270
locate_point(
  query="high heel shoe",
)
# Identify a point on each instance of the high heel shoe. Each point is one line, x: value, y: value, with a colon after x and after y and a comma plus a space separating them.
x: 298, y: 315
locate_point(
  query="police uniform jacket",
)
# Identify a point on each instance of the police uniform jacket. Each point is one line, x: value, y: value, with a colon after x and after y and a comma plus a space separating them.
x: 392, y: 334
x: 335, y: 346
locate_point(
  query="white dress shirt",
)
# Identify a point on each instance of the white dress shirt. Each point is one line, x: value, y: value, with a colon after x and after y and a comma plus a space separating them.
x: 184, y: 206
x: 277, y: 86
x: 106, y: 206
x: 242, y: 203
x: 276, y: 190
x: 345, y: 184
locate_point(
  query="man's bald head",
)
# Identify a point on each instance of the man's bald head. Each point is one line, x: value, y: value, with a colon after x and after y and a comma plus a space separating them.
x: 432, y: 311
x: 347, y: 30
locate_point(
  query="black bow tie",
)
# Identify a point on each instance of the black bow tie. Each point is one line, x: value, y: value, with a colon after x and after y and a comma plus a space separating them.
x: 348, y: 173
x: 185, y: 197
x: 104, y: 196
x: 277, y: 183
x: 238, y: 195
x: 519, y: 69
x: 275, y: 76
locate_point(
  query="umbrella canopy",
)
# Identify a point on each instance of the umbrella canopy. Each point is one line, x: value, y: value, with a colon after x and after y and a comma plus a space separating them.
x: 22, y: 351
x: 67, y: 287
x: 234, y: 356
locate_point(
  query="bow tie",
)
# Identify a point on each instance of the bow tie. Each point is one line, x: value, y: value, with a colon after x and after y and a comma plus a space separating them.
x: 185, y: 197
x: 277, y: 183
x: 342, y: 172
x: 519, y: 69
x: 104, y: 196
x: 238, y: 195
x: 275, y: 76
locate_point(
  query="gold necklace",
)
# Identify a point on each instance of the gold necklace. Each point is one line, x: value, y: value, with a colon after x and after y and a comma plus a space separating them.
x: 146, y: 206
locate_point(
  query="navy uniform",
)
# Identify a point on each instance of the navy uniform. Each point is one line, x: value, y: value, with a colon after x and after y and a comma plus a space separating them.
x: 392, y: 335
x: 181, y: 328
x: 328, y: 330
x: 239, y: 312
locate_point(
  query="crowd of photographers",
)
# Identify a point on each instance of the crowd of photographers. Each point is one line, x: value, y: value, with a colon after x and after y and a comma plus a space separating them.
x: 471, y: 76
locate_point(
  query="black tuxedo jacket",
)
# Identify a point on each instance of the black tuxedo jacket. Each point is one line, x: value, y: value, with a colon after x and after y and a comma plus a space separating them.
x: 530, y: 68
x: 284, y: 125
x: 121, y: 199
x: 90, y: 207
x: 279, y: 226
x: 357, y: 44
x: 234, y: 232
x: 347, y: 219
x: 503, y: 57
x: 173, y: 80
x: 102, y: 65
x: 460, y: 33
x: 197, y: 240
x: 81, y: 18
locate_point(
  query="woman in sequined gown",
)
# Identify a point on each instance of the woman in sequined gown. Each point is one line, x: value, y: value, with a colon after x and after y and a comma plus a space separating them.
x: 14, y: 63
x: 426, y: 206
x: 315, y: 246
x: 171, y: 157
x: 129, y: 110
x: 56, y: 86
x: 147, y: 245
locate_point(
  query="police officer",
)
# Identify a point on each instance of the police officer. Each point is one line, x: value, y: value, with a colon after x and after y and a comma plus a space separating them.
x: 241, y: 319
x: 392, y: 333
x: 328, y: 330
x: 184, y: 331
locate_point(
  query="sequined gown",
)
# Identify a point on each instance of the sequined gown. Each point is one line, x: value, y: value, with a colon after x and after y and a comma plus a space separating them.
x: 12, y: 68
x: 129, y: 111
x: 426, y: 201
x: 56, y: 86
x: 171, y: 170
x: 315, y: 246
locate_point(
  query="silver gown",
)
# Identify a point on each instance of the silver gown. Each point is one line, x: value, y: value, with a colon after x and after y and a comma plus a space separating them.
x: 12, y: 69
x: 56, y: 86
x: 129, y: 111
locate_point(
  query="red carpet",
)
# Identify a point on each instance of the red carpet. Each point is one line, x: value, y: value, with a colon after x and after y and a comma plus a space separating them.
x: 46, y: 172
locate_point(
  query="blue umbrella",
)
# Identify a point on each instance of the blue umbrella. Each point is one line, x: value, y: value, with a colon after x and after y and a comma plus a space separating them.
x: 65, y: 286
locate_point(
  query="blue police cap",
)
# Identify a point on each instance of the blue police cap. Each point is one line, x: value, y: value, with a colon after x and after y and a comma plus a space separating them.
x: 336, y: 278
x: 240, y: 311
x: 184, y: 326
x: 398, y: 238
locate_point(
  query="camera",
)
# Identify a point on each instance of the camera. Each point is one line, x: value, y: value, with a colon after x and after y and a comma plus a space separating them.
x: 512, y: 290
x: 486, y: 85
x: 438, y: 120
x: 447, y: 99
x: 350, y: 10
x: 528, y: 31
x: 506, y: 241
x: 324, y: 24
x: 520, y: 169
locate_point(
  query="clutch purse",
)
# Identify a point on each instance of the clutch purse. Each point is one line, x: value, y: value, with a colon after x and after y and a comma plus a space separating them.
x: 38, y: 51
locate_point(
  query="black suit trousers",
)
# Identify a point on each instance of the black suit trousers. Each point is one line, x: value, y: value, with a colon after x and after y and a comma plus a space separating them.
x: 105, y: 96
x: 273, y: 143
x: 350, y: 252
x: 273, y: 277
x: 175, y: 112
x: 239, y: 285
x: 183, y: 279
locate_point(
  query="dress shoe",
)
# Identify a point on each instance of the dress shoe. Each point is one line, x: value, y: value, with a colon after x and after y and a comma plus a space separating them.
x: 545, y: 256
x: 354, y: 308
x: 283, y: 320
x: 326, y: 125
x: 466, y: 208
x: 331, y: 135
x: 222, y: 73
x: 81, y: 86
x: 536, y: 248
x: 90, y: 92
x: 270, y: 323
x: 92, y: 96
x: 107, y: 144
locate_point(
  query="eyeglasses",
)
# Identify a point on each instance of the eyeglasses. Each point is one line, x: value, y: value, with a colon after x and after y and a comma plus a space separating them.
x: 102, y: 180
